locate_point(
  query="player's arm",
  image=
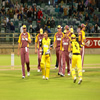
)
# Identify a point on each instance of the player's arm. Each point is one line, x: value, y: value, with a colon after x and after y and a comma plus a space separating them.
x: 61, y: 45
x: 36, y: 42
x: 29, y: 38
x: 19, y: 44
x: 54, y: 45
x: 70, y: 50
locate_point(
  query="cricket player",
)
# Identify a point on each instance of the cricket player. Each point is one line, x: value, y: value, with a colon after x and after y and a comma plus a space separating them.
x: 68, y: 31
x: 76, y: 59
x: 24, y: 40
x: 57, y: 40
x: 38, y: 40
x: 64, y: 47
x: 81, y: 37
x: 46, y: 46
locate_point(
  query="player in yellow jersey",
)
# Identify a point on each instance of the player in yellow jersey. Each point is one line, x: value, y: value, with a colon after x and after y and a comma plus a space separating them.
x: 76, y: 59
x: 46, y: 46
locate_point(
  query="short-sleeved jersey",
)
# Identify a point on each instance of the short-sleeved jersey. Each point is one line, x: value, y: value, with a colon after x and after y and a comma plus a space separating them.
x: 69, y: 33
x: 65, y: 43
x: 75, y: 47
x: 57, y: 39
x: 38, y: 39
x: 46, y: 44
x: 81, y: 37
x: 22, y: 41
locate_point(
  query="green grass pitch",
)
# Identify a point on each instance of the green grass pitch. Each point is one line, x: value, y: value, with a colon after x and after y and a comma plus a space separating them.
x: 13, y: 87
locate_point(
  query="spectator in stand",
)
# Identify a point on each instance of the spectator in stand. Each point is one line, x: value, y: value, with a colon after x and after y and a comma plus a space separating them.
x: 79, y: 7
x: 38, y: 28
x: 52, y: 23
x: 35, y: 14
x: 21, y: 28
x: 15, y: 16
x: 29, y: 13
x: 11, y: 13
x: 80, y: 16
x: 3, y: 2
x: 46, y: 29
x: 82, y: 7
x: 87, y: 17
x: 7, y: 5
x: 92, y: 30
x: 70, y: 11
x: 12, y: 27
x: 96, y: 28
x: 21, y: 9
x: 7, y: 13
x: 39, y: 14
x: 43, y: 22
x: 48, y: 22
x: 12, y: 4
x: 19, y: 15
x: 22, y: 1
x: 17, y: 5
x: 25, y: 9
x: 16, y: 10
x: 94, y: 18
x: 31, y: 30
x: 61, y: 9
x: 87, y: 28
x: 3, y: 10
x: 57, y: 9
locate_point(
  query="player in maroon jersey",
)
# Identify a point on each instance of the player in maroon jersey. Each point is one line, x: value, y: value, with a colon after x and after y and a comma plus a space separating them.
x: 38, y: 40
x: 64, y: 47
x: 57, y: 40
x: 24, y: 40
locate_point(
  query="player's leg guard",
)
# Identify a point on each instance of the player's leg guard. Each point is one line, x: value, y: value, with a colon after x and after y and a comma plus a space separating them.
x: 80, y: 73
x: 73, y: 73
x: 42, y: 64
x: 47, y: 67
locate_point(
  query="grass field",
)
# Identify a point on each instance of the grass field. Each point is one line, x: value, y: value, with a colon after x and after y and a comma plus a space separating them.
x: 13, y: 87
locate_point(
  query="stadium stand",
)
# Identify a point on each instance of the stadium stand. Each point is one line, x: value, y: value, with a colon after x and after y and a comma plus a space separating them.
x: 32, y: 13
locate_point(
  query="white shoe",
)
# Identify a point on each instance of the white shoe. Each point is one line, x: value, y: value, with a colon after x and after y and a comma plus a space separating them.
x: 83, y: 71
x: 23, y: 77
x: 47, y: 78
x: 69, y: 74
x: 28, y: 74
x: 43, y: 77
x: 80, y: 81
x: 74, y: 79
x: 62, y: 75
x: 66, y: 68
x: 38, y: 70
x: 56, y: 67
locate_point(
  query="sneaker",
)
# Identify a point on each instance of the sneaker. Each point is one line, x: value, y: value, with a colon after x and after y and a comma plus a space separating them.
x: 80, y: 81
x: 68, y: 73
x: 23, y: 77
x: 83, y: 71
x: 47, y: 78
x: 28, y: 74
x: 43, y: 77
x: 38, y: 70
x: 59, y: 73
x: 62, y: 75
x: 56, y: 67
x: 74, y: 80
